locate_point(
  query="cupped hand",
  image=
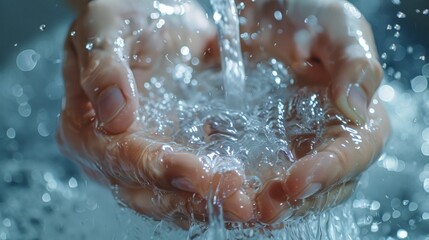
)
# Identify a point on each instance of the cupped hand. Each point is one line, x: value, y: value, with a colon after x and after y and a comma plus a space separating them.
x: 327, y: 44
x: 112, y: 49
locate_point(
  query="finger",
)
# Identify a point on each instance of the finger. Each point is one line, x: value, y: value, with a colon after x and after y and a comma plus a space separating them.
x: 106, y: 77
x: 76, y: 101
x: 77, y: 111
x: 274, y: 206
x: 139, y: 160
x: 354, y: 85
x: 182, y: 207
x: 350, y: 152
x: 320, y: 202
x: 353, y: 64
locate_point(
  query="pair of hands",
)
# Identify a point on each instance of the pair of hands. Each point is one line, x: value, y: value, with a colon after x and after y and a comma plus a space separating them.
x: 129, y: 42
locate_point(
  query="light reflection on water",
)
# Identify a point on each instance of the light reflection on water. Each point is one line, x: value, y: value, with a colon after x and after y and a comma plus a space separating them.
x: 44, y: 196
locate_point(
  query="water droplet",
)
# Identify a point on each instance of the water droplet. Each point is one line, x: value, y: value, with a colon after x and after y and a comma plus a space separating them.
x: 42, y: 27
x: 42, y: 129
x: 127, y: 21
x: 397, y: 34
x: 426, y: 12
x: 389, y: 27
x: 46, y: 197
x: 73, y: 182
x: 278, y: 15
x: 24, y: 109
x: 184, y: 50
x: 386, y: 93
x: 397, y: 27
x: 7, y: 222
x: 384, y: 56
x: 402, y: 234
x: 11, y: 133
x: 419, y: 84
x: 401, y: 15
x: 89, y: 46
x: 217, y: 17
x: 27, y: 60
x: 72, y: 33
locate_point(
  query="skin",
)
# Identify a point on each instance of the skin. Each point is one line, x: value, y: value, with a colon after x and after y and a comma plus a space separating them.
x: 161, y: 180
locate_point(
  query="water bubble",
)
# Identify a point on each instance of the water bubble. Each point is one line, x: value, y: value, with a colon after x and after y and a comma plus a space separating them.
x: 384, y: 56
x: 127, y: 21
x: 10, y: 133
x: 419, y: 84
x: 42, y: 27
x: 426, y: 12
x: 396, y: 2
x: 278, y: 15
x: 389, y: 27
x: 397, y: 27
x: 72, y: 33
x: 401, y: 15
x: 397, y: 34
x: 27, y: 60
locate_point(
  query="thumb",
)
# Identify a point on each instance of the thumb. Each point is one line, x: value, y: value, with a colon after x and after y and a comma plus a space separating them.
x: 354, y: 86
x: 109, y: 84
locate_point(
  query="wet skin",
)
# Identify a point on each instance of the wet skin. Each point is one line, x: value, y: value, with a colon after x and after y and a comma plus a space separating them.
x: 98, y: 128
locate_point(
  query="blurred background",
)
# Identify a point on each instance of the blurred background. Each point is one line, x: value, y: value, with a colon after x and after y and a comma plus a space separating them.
x: 43, y: 195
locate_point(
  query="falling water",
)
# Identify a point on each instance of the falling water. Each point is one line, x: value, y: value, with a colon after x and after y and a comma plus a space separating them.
x: 226, y: 18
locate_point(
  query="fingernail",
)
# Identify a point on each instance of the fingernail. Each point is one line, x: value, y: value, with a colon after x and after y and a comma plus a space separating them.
x: 310, y: 190
x: 110, y: 102
x: 183, y: 184
x: 357, y: 100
